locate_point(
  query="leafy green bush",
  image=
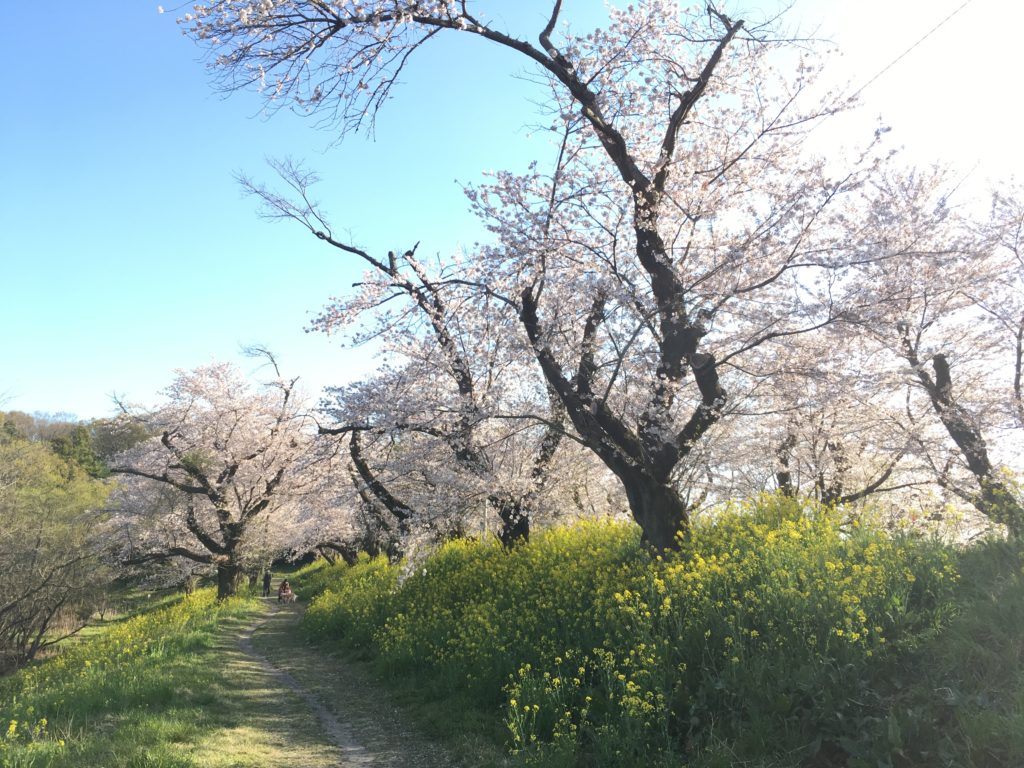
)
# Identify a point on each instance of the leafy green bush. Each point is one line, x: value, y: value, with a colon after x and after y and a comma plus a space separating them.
x: 760, y: 632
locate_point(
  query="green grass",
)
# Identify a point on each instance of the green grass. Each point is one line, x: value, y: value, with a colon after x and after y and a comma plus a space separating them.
x: 379, y: 720
x: 166, y: 689
x: 783, y: 635
x: 957, y: 697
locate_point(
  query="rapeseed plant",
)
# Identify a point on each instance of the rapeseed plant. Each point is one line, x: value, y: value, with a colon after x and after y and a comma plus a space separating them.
x: 760, y: 631
x: 53, y: 706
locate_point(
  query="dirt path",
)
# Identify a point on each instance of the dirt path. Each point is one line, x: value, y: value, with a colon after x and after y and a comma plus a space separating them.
x: 354, y: 716
x: 352, y: 753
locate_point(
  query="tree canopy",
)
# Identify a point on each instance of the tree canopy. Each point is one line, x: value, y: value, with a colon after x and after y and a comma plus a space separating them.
x: 682, y: 258
x: 51, y: 547
x: 231, y: 478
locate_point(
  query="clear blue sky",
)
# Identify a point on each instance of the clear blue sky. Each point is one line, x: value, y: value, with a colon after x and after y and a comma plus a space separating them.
x: 127, y: 249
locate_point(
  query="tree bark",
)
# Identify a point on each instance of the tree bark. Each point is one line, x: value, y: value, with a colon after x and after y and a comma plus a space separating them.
x: 229, y: 578
x: 515, y: 520
x: 784, y: 475
x: 995, y: 499
x: 641, y: 463
x: 659, y: 510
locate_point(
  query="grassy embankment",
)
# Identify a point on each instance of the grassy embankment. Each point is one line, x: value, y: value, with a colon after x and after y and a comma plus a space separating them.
x: 168, y: 688
x: 780, y: 636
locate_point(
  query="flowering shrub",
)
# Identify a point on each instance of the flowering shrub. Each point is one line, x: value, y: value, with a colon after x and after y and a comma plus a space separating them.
x: 762, y: 629
x: 350, y: 608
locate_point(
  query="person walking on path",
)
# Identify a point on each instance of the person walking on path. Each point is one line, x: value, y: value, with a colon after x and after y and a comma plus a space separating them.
x: 266, y: 583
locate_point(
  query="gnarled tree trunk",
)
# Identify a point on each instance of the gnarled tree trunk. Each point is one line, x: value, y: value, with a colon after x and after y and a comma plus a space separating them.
x: 229, y: 578
x: 995, y: 499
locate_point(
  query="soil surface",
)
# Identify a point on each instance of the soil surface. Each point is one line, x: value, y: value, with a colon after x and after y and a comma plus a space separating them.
x: 360, y: 727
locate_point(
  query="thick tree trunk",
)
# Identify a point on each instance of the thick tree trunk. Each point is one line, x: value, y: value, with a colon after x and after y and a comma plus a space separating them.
x: 659, y: 510
x: 515, y: 520
x: 642, y: 463
x: 229, y: 579
x: 998, y: 503
x: 996, y: 500
x: 783, y: 475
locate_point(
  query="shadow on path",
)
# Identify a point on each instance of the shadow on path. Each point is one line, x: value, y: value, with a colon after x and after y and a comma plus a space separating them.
x: 352, y: 753
x: 353, y: 713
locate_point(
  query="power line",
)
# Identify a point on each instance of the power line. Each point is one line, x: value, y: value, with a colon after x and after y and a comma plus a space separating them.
x: 895, y: 61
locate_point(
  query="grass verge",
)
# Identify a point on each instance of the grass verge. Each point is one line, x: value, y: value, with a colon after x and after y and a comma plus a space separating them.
x: 167, y: 689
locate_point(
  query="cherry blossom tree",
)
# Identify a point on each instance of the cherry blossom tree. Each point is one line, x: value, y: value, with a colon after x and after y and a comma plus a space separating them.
x: 1003, y: 306
x: 462, y: 351
x: 680, y: 232
x: 397, y: 427
x: 938, y: 295
x: 823, y: 432
x: 233, y: 476
x: 439, y: 458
